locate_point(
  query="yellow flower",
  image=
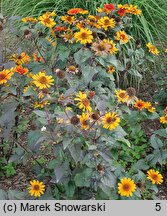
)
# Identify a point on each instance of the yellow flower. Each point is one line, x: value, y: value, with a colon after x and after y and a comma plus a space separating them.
x: 100, y: 10
x: 5, y: 75
x: 84, y: 102
x: 125, y: 6
x: 149, y: 107
x: 126, y: 187
x: 23, y: 58
x: 84, y: 36
x: 122, y: 37
x: 122, y: 96
x: 139, y: 104
x: 68, y: 19
x: 106, y: 22
x: 154, y: 176
x: 49, y: 14
x: 113, y: 48
x: 84, y: 121
x: 165, y: 50
x: 152, y: 48
x: 29, y: 19
x: 41, y: 104
x: 47, y: 21
x: 111, y: 69
x: 133, y: 10
x: 42, y: 81
x: 111, y: 120
x: 36, y: 188
x: 163, y: 119
x: 92, y: 21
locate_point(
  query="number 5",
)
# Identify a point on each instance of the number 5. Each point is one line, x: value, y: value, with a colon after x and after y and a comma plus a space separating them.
x: 158, y: 207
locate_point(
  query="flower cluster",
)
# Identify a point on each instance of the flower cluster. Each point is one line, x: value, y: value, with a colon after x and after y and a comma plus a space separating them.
x: 69, y: 81
x: 127, y: 186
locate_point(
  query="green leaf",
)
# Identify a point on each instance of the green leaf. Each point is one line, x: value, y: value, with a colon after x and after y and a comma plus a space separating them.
x: 124, y: 141
x: 16, y: 195
x: 29, y: 92
x: 161, y: 132
x: 52, y: 164
x: 88, y: 72
x: 3, y: 195
x: 40, y: 113
x: 56, y: 193
x: 35, y: 138
x: 156, y: 143
x: 64, y: 53
x: 75, y: 151
x: 109, y: 180
x: 140, y: 165
x: 82, y: 56
x: 70, y: 189
x: 83, y: 179
x: 66, y: 142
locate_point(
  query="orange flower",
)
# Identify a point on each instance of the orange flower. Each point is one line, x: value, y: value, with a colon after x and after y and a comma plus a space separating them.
x: 122, y: 11
x: 165, y: 110
x: 19, y: 69
x: 37, y: 58
x: 109, y: 7
x: 60, y: 28
x: 139, y: 104
x: 74, y: 11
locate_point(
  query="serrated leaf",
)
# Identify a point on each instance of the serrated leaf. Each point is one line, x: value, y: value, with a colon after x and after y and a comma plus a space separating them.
x: 109, y: 180
x: 16, y: 195
x: 82, y: 56
x: 161, y: 132
x: 156, y: 143
x: 140, y: 165
x: 70, y: 189
x: 75, y: 151
x: 83, y: 179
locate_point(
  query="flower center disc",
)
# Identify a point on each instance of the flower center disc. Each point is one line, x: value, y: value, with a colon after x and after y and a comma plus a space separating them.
x: 2, y: 76
x: 101, y: 47
x: 122, y: 95
x: 47, y: 20
x: 154, y: 176
x: 126, y: 187
x: 84, y: 35
x: 106, y: 22
x: 85, y: 102
x: 110, y: 120
x: 36, y: 187
x: 43, y: 80
x: 85, y: 123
